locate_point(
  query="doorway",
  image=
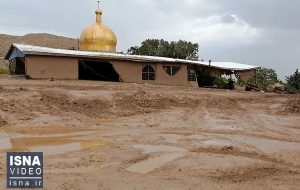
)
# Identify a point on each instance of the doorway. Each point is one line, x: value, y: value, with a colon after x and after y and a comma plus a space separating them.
x: 17, y: 66
x: 204, y: 79
x: 97, y: 70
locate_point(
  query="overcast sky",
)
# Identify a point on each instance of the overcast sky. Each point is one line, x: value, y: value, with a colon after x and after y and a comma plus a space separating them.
x: 256, y: 32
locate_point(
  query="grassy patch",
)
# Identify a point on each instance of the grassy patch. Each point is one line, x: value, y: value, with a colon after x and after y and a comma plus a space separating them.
x: 3, y: 70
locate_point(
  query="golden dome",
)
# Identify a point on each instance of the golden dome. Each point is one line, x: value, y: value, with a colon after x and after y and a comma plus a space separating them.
x: 98, y: 37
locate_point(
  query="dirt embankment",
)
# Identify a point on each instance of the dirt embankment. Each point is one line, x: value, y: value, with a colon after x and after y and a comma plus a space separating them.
x: 58, y: 101
x: 128, y: 104
x: 122, y: 104
x: 146, y: 102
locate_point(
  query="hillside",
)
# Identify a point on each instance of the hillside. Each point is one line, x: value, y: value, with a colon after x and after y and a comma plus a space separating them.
x: 47, y: 40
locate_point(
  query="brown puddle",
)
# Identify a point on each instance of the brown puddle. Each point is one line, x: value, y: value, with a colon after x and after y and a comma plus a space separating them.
x: 49, y: 145
x: 39, y: 141
x: 269, y: 145
x: 104, y: 121
x: 52, y: 145
x: 149, y: 165
x: 170, y: 154
x: 48, y: 139
x: 46, y: 130
x: 181, y: 133
x: 64, y: 148
x: 5, y: 141
x: 155, y: 148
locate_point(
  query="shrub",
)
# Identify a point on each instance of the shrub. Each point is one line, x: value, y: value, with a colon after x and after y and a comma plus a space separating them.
x: 221, y: 82
x: 293, y: 83
x: 3, y: 70
x: 264, y: 78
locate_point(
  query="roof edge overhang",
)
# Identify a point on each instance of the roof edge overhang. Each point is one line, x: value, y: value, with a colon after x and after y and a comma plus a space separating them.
x: 11, y: 49
x: 52, y: 52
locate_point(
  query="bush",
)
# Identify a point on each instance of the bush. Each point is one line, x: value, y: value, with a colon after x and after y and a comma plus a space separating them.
x: 293, y: 83
x: 3, y: 70
x: 221, y: 82
x: 264, y: 78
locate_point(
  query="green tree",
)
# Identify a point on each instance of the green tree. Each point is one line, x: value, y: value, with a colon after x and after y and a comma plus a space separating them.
x: 293, y: 83
x: 264, y: 77
x: 154, y: 47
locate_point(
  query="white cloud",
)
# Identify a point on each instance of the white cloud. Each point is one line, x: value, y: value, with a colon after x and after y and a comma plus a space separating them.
x: 210, y: 30
x: 250, y: 31
x: 214, y: 30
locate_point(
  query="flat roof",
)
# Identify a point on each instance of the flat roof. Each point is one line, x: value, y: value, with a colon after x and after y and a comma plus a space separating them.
x: 38, y: 50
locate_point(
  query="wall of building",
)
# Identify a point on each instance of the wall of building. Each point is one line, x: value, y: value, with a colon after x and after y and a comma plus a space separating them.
x: 245, y: 75
x: 132, y: 72
x: 180, y: 78
x: 44, y: 67
x: 128, y: 71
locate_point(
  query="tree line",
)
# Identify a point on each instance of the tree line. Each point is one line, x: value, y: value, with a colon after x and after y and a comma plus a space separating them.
x: 265, y: 77
x: 178, y: 50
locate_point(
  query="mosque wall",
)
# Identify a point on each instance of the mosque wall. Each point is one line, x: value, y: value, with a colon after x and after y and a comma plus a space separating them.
x: 132, y: 72
x: 43, y: 67
x: 180, y: 78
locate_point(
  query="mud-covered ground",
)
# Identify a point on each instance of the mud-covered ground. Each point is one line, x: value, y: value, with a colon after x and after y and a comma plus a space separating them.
x: 98, y: 135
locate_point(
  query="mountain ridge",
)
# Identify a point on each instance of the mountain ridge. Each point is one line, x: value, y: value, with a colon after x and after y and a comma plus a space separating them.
x: 39, y: 39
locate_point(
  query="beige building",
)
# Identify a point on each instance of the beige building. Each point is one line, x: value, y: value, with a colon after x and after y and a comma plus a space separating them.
x: 97, y: 60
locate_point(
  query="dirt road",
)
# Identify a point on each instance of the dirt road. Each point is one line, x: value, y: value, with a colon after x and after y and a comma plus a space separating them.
x: 97, y: 135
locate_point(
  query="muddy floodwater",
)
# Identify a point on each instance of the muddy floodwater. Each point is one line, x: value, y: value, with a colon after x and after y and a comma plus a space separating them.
x: 98, y: 135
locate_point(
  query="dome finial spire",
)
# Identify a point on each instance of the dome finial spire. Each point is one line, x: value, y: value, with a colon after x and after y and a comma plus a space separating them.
x: 98, y: 37
x: 98, y: 13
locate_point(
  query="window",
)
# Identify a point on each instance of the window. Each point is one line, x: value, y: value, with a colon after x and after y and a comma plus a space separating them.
x: 171, y: 70
x: 17, y: 66
x: 148, y: 73
x: 191, y: 74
